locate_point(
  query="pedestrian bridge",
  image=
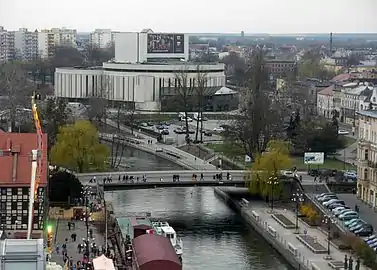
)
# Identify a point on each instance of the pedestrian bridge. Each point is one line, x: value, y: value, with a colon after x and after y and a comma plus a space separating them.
x: 162, y: 184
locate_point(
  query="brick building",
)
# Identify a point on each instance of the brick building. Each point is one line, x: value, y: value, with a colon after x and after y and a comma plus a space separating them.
x: 15, y: 177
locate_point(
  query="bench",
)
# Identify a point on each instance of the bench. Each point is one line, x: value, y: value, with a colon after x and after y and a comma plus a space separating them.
x: 271, y: 230
x: 313, y: 266
x: 292, y: 249
x: 244, y: 202
x: 255, y: 215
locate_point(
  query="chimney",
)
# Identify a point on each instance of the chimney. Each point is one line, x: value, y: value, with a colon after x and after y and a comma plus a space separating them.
x: 330, y: 44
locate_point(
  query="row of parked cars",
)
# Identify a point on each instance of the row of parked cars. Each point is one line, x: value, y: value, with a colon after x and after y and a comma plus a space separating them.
x: 349, y: 217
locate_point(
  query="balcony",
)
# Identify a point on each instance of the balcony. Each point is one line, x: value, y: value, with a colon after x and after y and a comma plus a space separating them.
x: 363, y: 163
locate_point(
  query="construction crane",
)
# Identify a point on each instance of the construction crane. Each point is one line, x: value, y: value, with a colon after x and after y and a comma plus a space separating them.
x: 36, y: 164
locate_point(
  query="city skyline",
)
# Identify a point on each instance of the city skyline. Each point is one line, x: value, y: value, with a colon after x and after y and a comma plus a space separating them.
x: 282, y: 17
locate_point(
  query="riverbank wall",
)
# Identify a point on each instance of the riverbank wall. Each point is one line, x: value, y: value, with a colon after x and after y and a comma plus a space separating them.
x: 253, y: 223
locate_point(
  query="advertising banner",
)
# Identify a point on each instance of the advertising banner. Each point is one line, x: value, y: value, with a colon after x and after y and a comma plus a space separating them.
x: 314, y: 158
x: 165, y: 43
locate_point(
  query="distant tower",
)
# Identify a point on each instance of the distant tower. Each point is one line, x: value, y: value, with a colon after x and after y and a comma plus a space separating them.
x: 242, y: 34
x: 330, y: 43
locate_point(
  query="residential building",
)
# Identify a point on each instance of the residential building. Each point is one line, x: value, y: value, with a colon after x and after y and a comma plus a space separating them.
x: 6, y: 45
x: 46, y: 44
x: 277, y: 68
x: 65, y: 37
x: 367, y: 157
x: 325, y: 102
x: 351, y: 98
x: 101, y: 38
x: 26, y: 44
x: 15, y: 177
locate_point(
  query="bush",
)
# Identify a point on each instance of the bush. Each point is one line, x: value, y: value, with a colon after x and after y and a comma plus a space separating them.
x: 310, y: 213
x: 362, y: 250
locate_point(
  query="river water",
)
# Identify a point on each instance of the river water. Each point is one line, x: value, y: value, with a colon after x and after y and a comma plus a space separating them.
x: 214, y: 237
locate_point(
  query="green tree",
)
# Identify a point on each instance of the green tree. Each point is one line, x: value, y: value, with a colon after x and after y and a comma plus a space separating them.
x: 78, y: 148
x: 269, y: 164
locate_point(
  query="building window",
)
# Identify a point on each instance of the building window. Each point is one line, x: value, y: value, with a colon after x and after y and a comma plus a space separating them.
x: 366, y: 154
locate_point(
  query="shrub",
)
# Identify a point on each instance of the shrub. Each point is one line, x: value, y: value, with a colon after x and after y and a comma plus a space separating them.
x: 362, y: 250
x: 310, y: 213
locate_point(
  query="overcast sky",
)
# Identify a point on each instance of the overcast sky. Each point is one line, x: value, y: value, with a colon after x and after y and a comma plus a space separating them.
x: 194, y: 16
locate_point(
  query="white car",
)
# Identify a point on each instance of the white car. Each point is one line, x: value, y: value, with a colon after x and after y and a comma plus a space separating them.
x: 338, y: 210
x: 344, y: 211
x: 218, y: 129
x: 331, y: 201
x: 343, y: 132
x: 350, y: 214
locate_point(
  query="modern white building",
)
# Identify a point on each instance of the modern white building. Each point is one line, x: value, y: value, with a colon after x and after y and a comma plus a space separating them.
x: 6, y: 45
x: 101, y: 38
x: 145, y: 72
x: 46, y: 44
x: 26, y: 44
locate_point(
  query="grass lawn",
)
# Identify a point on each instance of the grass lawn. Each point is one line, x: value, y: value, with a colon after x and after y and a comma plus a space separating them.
x: 237, y: 153
x: 348, y: 140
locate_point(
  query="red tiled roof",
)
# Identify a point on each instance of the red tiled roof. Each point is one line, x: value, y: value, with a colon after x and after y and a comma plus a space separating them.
x: 22, y: 144
x: 155, y: 250
x: 328, y: 91
x: 341, y: 77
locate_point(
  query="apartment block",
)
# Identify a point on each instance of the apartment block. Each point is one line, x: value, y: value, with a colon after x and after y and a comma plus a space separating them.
x: 64, y: 37
x: 367, y: 157
x: 46, y: 44
x: 26, y: 44
x: 101, y: 38
x: 6, y: 45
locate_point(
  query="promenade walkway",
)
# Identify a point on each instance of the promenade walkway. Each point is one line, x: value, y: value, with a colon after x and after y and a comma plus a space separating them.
x: 289, y: 240
x: 64, y: 233
x: 181, y: 157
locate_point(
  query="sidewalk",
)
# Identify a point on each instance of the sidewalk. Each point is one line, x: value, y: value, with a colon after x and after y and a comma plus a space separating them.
x: 288, y: 237
x: 185, y: 158
x: 63, y: 232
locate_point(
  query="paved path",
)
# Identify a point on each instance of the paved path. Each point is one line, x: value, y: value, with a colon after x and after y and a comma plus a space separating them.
x: 185, y: 158
x: 80, y: 230
x: 286, y: 236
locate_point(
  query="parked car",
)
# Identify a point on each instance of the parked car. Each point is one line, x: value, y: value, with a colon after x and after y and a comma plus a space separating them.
x: 218, y: 129
x: 343, y: 132
x: 327, y: 203
x: 207, y: 133
x: 366, y: 239
x: 178, y: 131
x: 367, y: 229
x: 351, y: 222
x: 348, y: 215
x: 323, y: 194
x: 337, y: 210
x: 165, y: 131
x: 358, y: 226
x: 343, y: 212
x: 336, y: 205
x: 327, y: 198
x: 190, y: 130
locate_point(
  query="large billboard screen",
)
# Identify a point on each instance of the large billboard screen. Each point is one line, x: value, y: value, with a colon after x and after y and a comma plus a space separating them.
x: 166, y: 43
x: 314, y: 158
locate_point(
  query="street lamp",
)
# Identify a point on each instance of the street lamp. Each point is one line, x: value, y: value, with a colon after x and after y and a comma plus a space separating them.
x: 272, y: 181
x: 328, y: 221
x: 297, y: 198
x: 85, y: 194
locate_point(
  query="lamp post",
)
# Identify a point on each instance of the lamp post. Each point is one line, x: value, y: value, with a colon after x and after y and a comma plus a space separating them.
x: 85, y: 194
x: 328, y: 221
x: 297, y: 198
x: 272, y: 181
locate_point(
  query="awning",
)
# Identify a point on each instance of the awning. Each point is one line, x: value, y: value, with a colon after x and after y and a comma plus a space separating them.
x: 103, y: 263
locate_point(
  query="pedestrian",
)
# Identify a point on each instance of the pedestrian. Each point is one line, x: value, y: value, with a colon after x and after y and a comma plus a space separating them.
x: 91, y: 233
x: 69, y: 225
x: 57, y: 248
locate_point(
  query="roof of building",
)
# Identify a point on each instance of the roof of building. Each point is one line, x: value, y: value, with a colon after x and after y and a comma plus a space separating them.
x: 341, y: 77
x: 368, y: 113
x: 127, y: 224
x: 151, y: 247
x: 21, y: 144
x: 328, y: 91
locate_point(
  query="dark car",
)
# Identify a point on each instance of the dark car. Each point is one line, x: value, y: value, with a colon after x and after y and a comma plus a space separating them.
x: 179, y: 131
x: 366, y: 230
x: 207, y: 133
x: 165, y: 132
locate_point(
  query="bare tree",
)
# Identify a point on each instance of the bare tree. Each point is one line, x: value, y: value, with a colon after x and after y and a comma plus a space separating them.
x: 200, y: 92
x: 16, y: 89
x: 117, y: 151
x: 255, y: 126
x: 126, y: 116
x: 184, y: 90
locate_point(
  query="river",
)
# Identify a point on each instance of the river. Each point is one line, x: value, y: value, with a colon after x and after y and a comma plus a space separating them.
x: 214, y: 237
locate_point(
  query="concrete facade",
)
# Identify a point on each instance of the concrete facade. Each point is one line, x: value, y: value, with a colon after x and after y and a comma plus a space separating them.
x: 142, y: 84
x: 6, y: 45
x: 101, y: 38
x: 26, y: 44
x: 367, y: 158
